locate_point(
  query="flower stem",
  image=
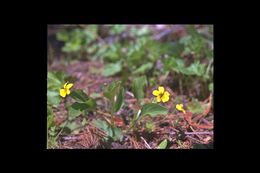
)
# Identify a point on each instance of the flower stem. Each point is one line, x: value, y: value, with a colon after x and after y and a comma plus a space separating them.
x: 113, y: 120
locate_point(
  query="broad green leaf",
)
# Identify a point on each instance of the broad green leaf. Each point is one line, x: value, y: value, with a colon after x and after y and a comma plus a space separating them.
x: 91, y: 104
x: 95, y: 95
x: 153, y: 109
x: 103, y: 126
x: 163, y: 144
x: 117, y: 29
x: 185, y: 40
x: 143, y: 68
x: 84, y: 122
x: 111, y: 89
x: 62, y: 35
x: 81, y: 106
x: 73, y: 125
x: 195, y: 107
x: 118, y: 134
x: 119, y: 99
x: 53, y: 98
x: 150, y: 126
x: 52, y: 131
x: 100, y: 124
x: 55, y: 80
x: 72, y: 46
x: 50, y: 117
x: 211, y: 87
x: 138, y: 87
x: 112, y: 69
x: 196, y: 69
x: 79, y: 95
x: 115, y: 93
x: 73, y: 113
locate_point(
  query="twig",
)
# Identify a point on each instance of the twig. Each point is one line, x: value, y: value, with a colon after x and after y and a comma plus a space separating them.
x: 135, y: 144
x: 194, y: 139
x: 103, y: 113
x: 198, y: 133
x: 206, y: 121
x: 135, y: 100
x: 56, y: 137
x: 71, y: 138
x: 129, y: 93
x: 194, y: 133
x: 146, y: 144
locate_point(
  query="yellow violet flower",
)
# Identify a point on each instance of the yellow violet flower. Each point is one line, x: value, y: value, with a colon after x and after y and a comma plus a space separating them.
x: 161, y: 94
x: 66, y: 89
x: 180, y: 108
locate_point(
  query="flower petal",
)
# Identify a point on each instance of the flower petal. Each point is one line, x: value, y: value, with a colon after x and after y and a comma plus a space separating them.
x: 68, y: 91
x: 180, y: 108
x: 158, y: 98
x: 156, y: 92
x: 62, y: 92
x: 161, y: 89
x: 165, y: 98
x: 69, y: 85
x: 65, y: 85
x: 167, y: 93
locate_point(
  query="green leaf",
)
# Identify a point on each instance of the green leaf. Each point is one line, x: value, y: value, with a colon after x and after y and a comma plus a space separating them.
x: 62, y: 35
x: 100, y: 124
x: 111, y: 89
x: 115, y: 93
x: 79, y: 95
x: 143, y: 68
x: 84, y: 122
x: 88, y: 105
x: 118, y: 134
x: 150, y: 126
x: 153, y: 109
x: 195, y: 107
x: 91, y: 104
x: 53, y: 98
x: 117, y: 29
x: 50, y: 117
x: 103, y: 126
x: 95, y: 95
x: 73, y: 126
x: 73, y: 113
x: 107, y: 128
x: 211, y: 87
x: 53, y: 131
x: 112, y: 69
x: 55, y: 80
x: 196, y: 69
x: 163, y: 144
x: 138, y: 87
x: 119, y: 99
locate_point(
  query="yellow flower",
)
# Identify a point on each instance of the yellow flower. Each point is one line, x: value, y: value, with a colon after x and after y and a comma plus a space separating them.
x: 180, y: 108
x: 66, y: 89
x: 161, y: 94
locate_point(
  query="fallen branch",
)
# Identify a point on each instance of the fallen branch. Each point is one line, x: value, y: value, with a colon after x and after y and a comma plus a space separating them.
x: 188, y: 116
x: 146, y: 144
x: 198, y: 133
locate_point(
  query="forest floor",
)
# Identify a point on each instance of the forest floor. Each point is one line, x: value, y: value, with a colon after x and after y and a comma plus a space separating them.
x: 182, y: 131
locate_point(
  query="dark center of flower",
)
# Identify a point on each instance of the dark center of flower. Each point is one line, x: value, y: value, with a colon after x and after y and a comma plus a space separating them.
x: 161, y: 94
